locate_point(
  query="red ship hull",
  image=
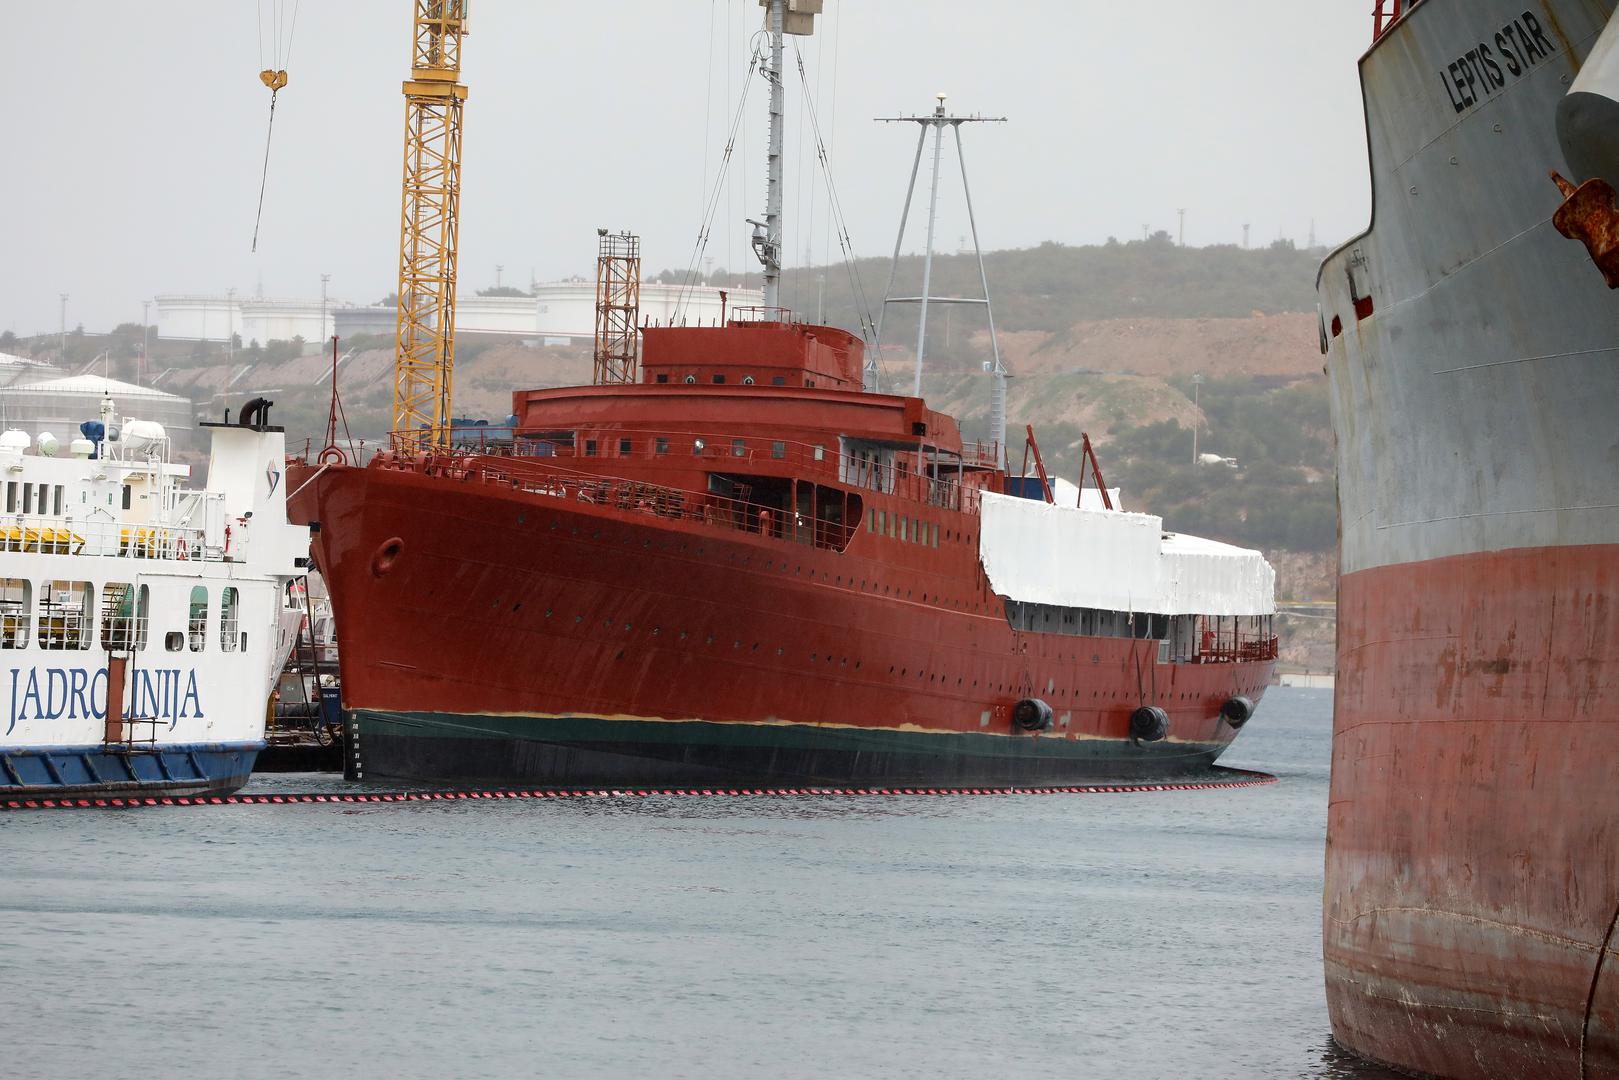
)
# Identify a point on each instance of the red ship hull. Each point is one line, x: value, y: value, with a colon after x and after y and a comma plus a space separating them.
x: 1470, y: 930
x: 498, y: 634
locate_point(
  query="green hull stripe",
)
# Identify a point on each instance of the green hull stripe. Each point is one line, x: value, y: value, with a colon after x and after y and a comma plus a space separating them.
x: 604, y: 733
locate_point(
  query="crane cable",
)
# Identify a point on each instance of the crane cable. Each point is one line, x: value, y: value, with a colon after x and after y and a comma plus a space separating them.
x: 274, y: 77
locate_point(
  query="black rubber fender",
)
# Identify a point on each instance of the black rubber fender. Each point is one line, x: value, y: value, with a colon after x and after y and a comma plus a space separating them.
x: 1032, y: 714
x: 1149, y: 724
x: 1237, y: 710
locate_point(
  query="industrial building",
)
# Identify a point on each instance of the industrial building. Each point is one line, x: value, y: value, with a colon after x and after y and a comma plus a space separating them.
x: 559, y: 312
x: 216, y: 318
x: 59, y: 405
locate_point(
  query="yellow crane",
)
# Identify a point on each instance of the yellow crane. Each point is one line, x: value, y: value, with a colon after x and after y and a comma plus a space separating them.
x: 424, y: 352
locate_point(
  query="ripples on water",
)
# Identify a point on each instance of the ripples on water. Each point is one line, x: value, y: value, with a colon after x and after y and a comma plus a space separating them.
x: 1144, y: 935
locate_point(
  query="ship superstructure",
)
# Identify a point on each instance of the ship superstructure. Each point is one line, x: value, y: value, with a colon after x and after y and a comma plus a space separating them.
x: 1473, y: 352
x: 138, y: 615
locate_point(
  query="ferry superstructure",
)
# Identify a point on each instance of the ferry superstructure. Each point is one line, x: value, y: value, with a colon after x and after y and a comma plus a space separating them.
x: 138, y: 616
x: 1472, y: 343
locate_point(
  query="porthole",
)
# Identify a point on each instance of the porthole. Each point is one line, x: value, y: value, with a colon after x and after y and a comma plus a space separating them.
x: 691, y: 380
x: 747, y: 380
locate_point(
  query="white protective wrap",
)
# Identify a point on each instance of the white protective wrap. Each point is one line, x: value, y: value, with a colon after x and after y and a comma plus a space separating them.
x: 1114, y: 560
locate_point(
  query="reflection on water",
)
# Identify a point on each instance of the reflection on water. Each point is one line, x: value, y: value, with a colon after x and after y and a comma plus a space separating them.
x: 1144, y: 935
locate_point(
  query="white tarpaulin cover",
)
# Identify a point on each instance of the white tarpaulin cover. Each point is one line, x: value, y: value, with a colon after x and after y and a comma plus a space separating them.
x: 1070, y: 556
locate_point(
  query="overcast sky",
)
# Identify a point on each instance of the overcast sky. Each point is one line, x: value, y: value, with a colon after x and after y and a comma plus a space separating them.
x: 135, y: 135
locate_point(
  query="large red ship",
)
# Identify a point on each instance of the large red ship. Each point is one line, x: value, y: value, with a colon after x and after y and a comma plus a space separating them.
x: 1472, y: 867
x: 746, y: 567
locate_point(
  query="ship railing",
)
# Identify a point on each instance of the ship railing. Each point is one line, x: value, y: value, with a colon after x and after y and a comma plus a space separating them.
x: 1385, y: 13
x: 1241, y: 651
x: 810, y: 461
x: 104, y: 537
x: 654, y: 500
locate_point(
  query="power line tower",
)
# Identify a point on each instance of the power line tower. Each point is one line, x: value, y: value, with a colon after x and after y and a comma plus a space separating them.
x: 618, y: 306
x: 424, y: 352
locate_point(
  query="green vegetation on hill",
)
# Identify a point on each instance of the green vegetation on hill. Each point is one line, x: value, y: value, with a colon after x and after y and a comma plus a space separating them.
x: 1053, y: 286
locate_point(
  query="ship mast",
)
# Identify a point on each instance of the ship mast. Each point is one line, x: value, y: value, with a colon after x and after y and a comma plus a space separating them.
x: 937, y: 121
x: 782, y: 17
x: 771, y: 255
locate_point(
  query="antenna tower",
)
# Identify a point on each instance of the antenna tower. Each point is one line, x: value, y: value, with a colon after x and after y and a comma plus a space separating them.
x: 936, y: 122
x: 618, y: 306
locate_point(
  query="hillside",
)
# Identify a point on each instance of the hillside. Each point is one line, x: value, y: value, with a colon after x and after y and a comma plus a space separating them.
x: 1103, y: 339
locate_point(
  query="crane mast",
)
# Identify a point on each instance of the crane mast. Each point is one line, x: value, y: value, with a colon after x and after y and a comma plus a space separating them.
x: 424, y: 353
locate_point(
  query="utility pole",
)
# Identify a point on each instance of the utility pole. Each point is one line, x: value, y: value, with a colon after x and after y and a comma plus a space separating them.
x: 146, y: 337
x: 498, y: 270
x: 63, y: 346
x: 1181, y: 242
x: 1197, y: 415
x: 820, y: 299
x: 1245, y: 238
x: 230, y: 324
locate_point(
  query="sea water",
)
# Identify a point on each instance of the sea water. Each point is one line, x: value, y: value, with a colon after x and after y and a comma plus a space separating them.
x: 1171, y: 934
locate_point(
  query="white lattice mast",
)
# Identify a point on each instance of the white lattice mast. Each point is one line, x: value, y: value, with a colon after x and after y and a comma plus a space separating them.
x: 936, y: 122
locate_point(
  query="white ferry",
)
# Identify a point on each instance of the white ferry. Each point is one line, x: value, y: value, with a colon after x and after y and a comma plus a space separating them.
x: 139, y: 616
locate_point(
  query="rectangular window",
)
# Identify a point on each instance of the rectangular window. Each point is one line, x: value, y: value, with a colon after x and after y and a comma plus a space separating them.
x: 663, y: 378
x: 660, y: 447
x: 56, y: 501
x: 11, y: 497
x: 28, y: 498
x: 922, y: 528
x: 117, y: 616
x: 778, y: 449
x: 778, y: 380
x: 625, y: 447
x: 15, y: 597
x: 871, y: 520
x: 230, y: 617
x: 126, y: 496
x: 905, y: 529
x: 197, y: 618
x: 66, y: 610
x: 44, y: 498
x: 590, y: 448
x: 893, y: 525
x: 739, y: 448
x: 935, y: 535
x: 718, y: 379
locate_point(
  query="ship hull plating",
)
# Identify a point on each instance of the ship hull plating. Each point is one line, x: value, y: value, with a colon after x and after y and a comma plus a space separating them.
x: 1472, y: 874
x: 571, y: 751
x: 1472, y: 870
x: 492, y: 634
x: 79, y: 771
